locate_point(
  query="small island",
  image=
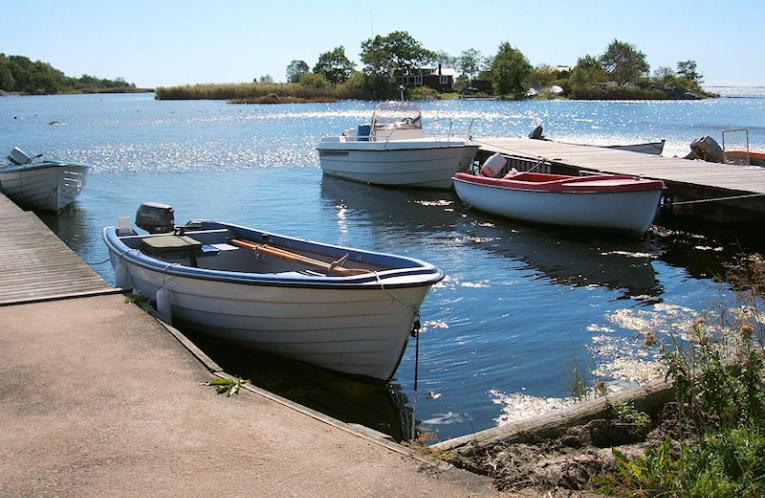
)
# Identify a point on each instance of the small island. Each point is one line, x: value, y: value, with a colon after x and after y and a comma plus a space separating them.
x: 396, y: 65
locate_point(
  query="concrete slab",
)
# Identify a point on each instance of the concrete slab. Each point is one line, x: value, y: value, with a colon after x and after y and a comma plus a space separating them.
x: 98, y: 399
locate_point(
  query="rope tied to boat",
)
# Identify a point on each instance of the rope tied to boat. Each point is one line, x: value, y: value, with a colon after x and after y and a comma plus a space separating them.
x: 415, y: 332
x: 715, y: 199
x: 415, y: 309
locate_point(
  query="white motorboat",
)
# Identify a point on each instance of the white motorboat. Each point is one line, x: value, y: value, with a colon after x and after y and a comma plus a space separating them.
x: 394, y: 150
x: 48, y: 185
x: 343, y: 309
x: 596, y: 201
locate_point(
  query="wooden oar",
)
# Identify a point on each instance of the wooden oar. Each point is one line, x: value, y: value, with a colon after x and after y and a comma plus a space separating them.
x: 298, y: 258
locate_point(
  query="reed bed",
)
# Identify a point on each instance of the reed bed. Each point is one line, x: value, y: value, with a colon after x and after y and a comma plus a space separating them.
x: 258, y: 92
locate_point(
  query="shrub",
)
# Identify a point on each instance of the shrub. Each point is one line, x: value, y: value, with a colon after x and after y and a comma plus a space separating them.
x: 718, y: 380
x: 423, y: 93
x: 314, y: 80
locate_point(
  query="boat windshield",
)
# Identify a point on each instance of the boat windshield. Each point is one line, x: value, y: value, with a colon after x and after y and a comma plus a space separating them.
x: 397, y: 112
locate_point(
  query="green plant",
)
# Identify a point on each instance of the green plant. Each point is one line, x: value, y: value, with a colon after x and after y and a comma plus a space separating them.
x: 227, y: 386
x: 718, y: 377
x: 423, y: 93
x: 578, y: 382
x: 654, y: 473
x: 731, y: 463
x: 626, y: 413
x: 314, y: 80
x: 139, y: 300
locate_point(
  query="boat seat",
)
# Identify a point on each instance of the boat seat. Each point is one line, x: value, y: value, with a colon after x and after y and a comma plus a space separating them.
x: 166, y: 244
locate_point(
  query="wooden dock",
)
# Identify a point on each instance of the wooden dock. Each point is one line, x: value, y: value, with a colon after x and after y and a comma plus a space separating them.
x: 734, y: 186
x: 36, y: 265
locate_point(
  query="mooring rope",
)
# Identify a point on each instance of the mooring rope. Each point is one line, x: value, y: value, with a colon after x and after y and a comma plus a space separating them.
x: 716, y: 199
x: 415, y: 332
x: 99, y: 263
x: 414, y: 309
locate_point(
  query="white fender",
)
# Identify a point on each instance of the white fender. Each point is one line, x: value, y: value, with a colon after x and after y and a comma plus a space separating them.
x: 164, y: 298
x: 493, y: 165
x: 122, y: 276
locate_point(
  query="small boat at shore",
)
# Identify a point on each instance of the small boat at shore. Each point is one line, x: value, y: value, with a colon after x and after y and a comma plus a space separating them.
x: 46, y: 185
x: 707, y: 149
x: 393, y: 150
x: 652, y: 148
x: 597, y: 201
x: 343, y: 309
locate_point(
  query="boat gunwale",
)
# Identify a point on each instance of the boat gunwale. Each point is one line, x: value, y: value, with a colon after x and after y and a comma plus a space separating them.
x: 573, y: 185
x: 372, y: 281
x: 343, y: 146
x: 19, y: 168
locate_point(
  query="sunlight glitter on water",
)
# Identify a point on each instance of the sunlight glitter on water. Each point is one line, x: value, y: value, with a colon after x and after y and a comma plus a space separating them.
x: 519, y: 302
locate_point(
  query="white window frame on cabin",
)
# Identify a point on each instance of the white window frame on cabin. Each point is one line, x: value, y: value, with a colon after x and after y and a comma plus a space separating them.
x: 443, y: 80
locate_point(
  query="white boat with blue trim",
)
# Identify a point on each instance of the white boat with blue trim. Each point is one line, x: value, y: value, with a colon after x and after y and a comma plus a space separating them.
x: 394, y: 150
x: 343, y: 309
x: 47, y: 185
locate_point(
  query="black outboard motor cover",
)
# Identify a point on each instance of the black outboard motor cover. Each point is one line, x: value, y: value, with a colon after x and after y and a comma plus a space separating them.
x: 536, y: 133
x: 155, y: 217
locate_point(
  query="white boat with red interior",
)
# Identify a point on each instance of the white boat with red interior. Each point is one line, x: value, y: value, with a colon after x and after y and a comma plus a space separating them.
x: 596, y: 201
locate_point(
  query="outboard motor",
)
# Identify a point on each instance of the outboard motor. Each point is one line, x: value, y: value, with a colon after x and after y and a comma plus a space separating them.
x: 707, y: 149
x: 19, y: 157
x: 492, y: 167
x: 536, y: 133
x: 155, y: 217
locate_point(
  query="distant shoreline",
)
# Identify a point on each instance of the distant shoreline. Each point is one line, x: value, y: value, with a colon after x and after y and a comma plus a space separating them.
x: 80, y: 92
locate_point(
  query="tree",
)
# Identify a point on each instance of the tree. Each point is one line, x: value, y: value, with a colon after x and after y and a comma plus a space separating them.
x: 445, y: 59
x: 386, y: 57
x: 266, y: 78
x: 6, y: 77
x: 295, y: 70
x: 587, y: 72
x: 543, y: 76
x: 623, y: 62
x: 334, y: 65
x: 314, y: 80
x: 469, y: 62
x: 394, y: 54
x: 664, y: 74
x: 687, y: 70
x: 510, y: 70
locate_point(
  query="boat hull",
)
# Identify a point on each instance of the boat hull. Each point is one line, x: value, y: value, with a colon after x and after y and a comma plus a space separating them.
x: 359, y: 328
x: 628, y: 211
x: 651, y: 148
x: 49, y: 187
x: 429, y: 166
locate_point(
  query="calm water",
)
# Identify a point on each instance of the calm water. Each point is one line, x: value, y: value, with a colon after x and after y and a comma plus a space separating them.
x: 520, y: 305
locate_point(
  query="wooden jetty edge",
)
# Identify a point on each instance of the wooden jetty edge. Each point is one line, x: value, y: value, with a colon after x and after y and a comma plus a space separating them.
x: 36, y: 265
x: 100, y: 398
x: 737, y: 187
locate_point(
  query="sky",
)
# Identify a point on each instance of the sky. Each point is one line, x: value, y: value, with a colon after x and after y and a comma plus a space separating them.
x: 156, y: 43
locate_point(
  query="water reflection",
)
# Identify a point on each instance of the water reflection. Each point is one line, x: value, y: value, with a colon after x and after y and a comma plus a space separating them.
x: 567, y: 257
x: 73, y: 225
x: 379, y: 407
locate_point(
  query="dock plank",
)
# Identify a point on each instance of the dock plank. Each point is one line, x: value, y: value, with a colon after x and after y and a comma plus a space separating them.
x: 37, y: 265
x: 703, y: 175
